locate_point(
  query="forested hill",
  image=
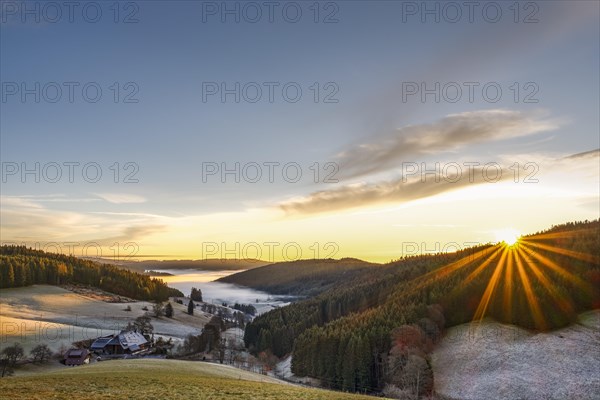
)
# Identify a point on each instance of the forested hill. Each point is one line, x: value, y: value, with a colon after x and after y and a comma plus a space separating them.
x: 214, y: 264
x: 371, y: 332
x: 21, y: 266
x: 303, y: 277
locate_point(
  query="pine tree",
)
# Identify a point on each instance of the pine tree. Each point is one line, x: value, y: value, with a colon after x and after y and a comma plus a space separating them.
x: 191, y: 307
x: 169, y: 310
x: 11, y: 276
x: 196, y: 294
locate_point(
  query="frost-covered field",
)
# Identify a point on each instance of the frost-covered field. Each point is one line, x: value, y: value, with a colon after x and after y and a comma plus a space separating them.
x: 496, y: 361
x: 57, y: 317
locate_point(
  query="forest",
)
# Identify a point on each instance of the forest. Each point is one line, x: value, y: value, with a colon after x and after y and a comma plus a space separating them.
x: 21, y: 266
x: 375, y: 331
x: 303, y: 277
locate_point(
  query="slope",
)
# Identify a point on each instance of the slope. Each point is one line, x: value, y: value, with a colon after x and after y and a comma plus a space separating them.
x: 158, y: 379
x: 302, y: 277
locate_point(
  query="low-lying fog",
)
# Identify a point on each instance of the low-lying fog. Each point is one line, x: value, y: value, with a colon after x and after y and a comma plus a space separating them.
x: 220, y: 292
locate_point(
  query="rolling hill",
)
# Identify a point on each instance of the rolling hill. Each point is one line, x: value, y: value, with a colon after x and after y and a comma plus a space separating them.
x: 302, y: 277
x: 22, y: 266
x: 158, y: 379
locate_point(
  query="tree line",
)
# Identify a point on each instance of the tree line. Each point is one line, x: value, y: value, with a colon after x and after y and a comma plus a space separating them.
x: 22, y: 266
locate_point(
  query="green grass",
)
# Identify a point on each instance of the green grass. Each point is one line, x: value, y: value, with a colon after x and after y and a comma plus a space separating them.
x: 157, y: 379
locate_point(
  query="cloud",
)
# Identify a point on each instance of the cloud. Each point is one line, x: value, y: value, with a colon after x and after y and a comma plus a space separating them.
x: 448, y: 134
x: 34, y: 200
x: 553, y: 169
x: 394, y: 191
x: 131, y: 234
x: 24, y: 219
x: 27, y: 220
x: 121, y: 198
x: 585, y: 154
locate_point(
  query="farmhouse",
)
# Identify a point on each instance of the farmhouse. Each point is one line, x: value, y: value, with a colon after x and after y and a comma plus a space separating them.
x: 77, y: 357
x: 126, y: 342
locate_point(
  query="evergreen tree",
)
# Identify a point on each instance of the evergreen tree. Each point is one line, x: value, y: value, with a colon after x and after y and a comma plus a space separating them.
x: 196, y: 295
x: 169, y: 310
x: 11, y: 276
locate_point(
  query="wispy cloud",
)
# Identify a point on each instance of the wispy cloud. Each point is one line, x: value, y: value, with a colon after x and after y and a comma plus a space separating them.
x: 121, y: 198
x: 28, y: 220
x: 402, y: 190
x: 49, y: 198
x: 131, y: 234
x: 585, y: 154
x: 361, y: 195
x: 446, y: 135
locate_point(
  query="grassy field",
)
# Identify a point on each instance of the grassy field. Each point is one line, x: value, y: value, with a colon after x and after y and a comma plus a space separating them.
x: 157, y: 379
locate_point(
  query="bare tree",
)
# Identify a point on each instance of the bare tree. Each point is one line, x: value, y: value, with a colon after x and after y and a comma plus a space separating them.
x: 9, y: 358
x: 416, y: 376
x: 41, y: 353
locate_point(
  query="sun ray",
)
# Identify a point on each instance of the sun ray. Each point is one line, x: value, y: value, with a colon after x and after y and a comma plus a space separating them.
x: 556, y: 268
x: 489, y: 291
x: 565, y: 252
x: 559, y: 235
x: 483, y: 265
x: 507, y: 304
x: 532, y: 301
x: 448, y: 269
x: 563, y: 303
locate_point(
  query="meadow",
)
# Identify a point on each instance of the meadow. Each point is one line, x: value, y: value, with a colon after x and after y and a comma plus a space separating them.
x: 158, y: 379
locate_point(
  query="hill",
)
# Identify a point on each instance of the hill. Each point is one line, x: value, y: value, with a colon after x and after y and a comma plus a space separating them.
x: 158, y: 379
x: 302, y: 277
x: 52, y: 315
x: 488, y: 361
x: 213, y: 264
x: 381, y: 329
x: 21, y: 266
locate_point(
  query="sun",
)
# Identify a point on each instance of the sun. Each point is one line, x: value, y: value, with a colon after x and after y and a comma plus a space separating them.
x: 508, y: 236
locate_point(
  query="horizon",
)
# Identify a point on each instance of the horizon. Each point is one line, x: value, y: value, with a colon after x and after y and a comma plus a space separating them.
x: 511, y: 241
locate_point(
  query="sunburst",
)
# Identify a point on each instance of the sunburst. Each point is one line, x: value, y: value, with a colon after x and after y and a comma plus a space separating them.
x: 523, y: 277
x: 509, y: 236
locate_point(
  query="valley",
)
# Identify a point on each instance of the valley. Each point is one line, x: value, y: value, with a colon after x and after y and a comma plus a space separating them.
x: 430, y: 325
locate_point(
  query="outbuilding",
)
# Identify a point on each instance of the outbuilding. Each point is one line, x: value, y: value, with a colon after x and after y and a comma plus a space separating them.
x: 77, y: 357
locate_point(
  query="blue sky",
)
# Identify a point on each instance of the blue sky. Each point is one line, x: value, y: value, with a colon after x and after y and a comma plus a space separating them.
x: 367, y: 56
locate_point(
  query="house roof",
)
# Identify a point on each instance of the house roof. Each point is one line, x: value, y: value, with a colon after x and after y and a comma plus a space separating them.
x: 76, y: 356
x: 132, y: 339
x: 101, y: 342
x: 126, y: 339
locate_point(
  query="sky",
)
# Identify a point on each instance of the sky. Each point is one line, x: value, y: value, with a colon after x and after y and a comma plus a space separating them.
x: 286, y: 130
